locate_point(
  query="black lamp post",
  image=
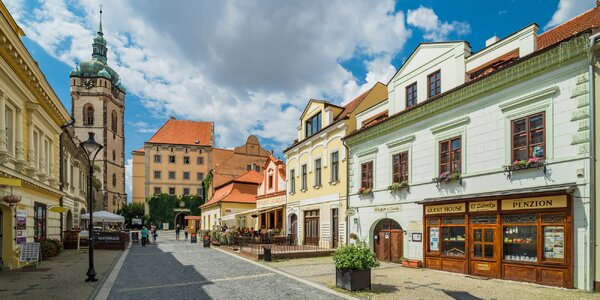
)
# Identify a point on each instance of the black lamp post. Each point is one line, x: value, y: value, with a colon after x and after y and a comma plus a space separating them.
x: 92, y: 148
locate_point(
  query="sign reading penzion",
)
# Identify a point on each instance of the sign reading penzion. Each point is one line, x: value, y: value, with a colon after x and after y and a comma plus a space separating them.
x: 535, y: 203
x: 445, y: 209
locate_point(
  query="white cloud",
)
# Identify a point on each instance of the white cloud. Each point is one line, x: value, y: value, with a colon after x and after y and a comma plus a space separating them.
x: 234, y: 63
x: 128, y: 178
x: 143, y: 127
x: 568, y: 9
x: 435, y: 30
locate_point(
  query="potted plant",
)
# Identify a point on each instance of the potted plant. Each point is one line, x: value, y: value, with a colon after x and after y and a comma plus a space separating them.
x: 365, y: 191
x: 397, y: 186
x: 447, y: 177
x: 353, y: 265
x: 404, y: 261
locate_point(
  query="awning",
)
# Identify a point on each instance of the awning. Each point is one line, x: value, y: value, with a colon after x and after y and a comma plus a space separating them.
x: 559, y: 188
x: 58, y: 209
x: 104, y: 216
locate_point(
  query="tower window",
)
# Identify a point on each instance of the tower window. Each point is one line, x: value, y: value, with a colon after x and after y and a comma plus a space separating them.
x: 114, y: 121
x: 114, y: 153
x: 114, y: 180
x: 88, y: 115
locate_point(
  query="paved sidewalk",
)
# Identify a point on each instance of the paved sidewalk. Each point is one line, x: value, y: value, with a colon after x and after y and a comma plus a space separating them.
x: 60, y: 277
x: 392, y: 281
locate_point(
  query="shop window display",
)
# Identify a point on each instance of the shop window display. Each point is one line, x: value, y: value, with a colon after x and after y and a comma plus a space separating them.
x: 520, y: 243
x: 453, y: 236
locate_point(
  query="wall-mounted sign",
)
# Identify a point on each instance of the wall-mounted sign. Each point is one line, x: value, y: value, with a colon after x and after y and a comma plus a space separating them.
x: 535, y: 203
x: 21, y: 220
x: 417, y: 237
x: 445, y: 209
x: 268, y: 202
x: 434, y: 234
x: 387, y: 209
x: 483, y: 206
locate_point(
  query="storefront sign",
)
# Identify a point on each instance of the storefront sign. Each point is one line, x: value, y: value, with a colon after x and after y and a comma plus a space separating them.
x: 21, y: 220
x: 387, y: 209
x: 483, y: 206
x: 268, y: 202
x: 535, y: 203
x: 445, y: 209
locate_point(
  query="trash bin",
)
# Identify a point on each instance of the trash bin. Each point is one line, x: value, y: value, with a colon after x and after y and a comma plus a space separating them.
x: 266, y: 253
x: 194, y: 238
x: 206, y: 242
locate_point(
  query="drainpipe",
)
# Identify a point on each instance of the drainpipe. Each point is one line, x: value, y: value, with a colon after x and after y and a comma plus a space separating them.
x: 347, y: 190
x: 592, y: 157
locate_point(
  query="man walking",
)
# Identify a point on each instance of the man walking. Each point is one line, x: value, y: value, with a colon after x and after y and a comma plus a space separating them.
x: 177, y: 229
x: 144, y: 233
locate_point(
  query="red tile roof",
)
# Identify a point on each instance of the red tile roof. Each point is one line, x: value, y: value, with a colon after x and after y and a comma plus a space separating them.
x: 586, y: 20
x: 250, y: 177
x: 141, y: 150
x: 184, y: 132
x: 234, y: 192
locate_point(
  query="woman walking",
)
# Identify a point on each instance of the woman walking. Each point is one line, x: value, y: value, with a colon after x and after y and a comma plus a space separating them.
x: 186, y: 231
x: 144, y: 233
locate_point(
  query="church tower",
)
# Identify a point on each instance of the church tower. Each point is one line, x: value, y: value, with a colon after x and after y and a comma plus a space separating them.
x: 98, y: 106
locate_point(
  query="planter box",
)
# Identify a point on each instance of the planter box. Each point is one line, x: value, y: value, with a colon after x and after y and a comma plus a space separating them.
x: 413, y: 263
x: 353, y: 280
x: 405, y: 263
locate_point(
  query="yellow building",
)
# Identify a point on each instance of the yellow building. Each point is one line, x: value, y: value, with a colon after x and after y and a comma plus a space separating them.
x: 317, y: 173
x: 229, y: 199
x: 31, y: 116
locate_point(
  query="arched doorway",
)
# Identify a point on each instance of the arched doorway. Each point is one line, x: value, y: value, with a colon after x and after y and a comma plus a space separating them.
x: 69, y: 220
x: 388, y: 237
x: 180, y: 220
x: 294, y: 228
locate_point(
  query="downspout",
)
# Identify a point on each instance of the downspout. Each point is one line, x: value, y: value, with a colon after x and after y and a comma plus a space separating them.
x: 347, y: 190
x: 592, y: 157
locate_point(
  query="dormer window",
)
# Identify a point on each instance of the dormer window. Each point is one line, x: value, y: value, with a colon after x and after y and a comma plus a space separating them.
x: 312, y: 125
x: 434, y: 83
x: 411, y: 95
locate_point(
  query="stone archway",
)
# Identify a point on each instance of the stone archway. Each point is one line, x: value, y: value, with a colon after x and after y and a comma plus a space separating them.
x: 388, y: 240
x: 180, y: 220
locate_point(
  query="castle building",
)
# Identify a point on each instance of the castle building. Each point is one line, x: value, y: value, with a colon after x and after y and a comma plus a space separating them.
x: 98, y: 106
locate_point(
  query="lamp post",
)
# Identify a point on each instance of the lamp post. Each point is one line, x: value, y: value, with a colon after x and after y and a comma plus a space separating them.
x: 92, y: 148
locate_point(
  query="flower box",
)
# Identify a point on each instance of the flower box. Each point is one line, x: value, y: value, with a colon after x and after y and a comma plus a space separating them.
x: 415, y: 264
x: 447, y: 177
x: 353, y: 264
x: 405, y: 263
x: 531, y: 163
x: 365, y: 191
x: 397, y: 186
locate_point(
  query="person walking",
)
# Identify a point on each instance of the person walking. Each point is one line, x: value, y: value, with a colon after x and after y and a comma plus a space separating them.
x: 154, y: 234
x: 144, y: 233
x: 186, y: 231
x: 177, y: 229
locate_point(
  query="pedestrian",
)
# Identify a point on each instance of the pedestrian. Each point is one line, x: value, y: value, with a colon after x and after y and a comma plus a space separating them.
x: 144, y: 236
x: 177, y: 229
x: 154, y: 234
x: 186, y: 231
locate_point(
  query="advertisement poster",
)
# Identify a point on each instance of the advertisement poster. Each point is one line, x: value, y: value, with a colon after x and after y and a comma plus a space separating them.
x: 21, y: 227
x: 434, y: 234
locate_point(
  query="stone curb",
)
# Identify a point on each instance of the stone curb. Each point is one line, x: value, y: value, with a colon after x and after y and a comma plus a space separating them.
x: 108, y: 283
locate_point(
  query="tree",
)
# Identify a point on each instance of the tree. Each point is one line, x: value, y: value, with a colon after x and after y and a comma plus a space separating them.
x: 162, y: 207
x: 130, y: 211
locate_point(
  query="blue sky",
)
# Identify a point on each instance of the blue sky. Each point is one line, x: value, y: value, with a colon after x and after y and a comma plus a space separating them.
x: 252, y: 66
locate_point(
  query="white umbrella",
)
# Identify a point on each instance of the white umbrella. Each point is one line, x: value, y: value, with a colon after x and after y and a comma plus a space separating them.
x: 104, y: 216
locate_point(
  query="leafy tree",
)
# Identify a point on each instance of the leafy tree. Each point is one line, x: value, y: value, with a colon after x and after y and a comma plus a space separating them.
x: 131, y: 210
x: 162, y: 207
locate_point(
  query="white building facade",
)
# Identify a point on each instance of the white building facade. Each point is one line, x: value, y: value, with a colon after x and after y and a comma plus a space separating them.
x: 463, y: 119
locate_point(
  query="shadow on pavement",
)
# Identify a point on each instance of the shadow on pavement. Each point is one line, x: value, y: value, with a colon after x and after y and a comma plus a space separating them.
x: 150, y: 273
x: 461, y: 295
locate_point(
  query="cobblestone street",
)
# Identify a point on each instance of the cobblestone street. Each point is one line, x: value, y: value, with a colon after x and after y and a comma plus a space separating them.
x: 180, y: 270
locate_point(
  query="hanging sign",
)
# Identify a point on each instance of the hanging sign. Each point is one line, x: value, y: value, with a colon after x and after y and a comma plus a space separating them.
x: 535, y: 203
x: 21, y: 220
x: 483, y: 206
x: 445, y: 209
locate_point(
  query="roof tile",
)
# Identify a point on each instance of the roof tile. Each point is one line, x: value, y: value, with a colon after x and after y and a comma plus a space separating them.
x: 184, y: 132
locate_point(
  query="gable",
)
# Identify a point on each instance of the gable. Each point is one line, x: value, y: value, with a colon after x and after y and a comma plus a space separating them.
x: 311, y: 109
x: 425, y: 56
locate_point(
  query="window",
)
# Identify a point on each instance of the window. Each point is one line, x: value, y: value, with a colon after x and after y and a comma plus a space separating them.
x: 114, y: 155
x: 88, y: 115
x: 200, y: 176
x: 113, y: 121
x: 172, y: 159
x: 114, y: 179
x: 292, y: 181
x: 171, y: 175
x: 400, y: 167
x: 318, y: 172
x: 450, y: 155
x: 186, y: 160
x: 335, y: 167
x: 434, y: 83
x: 527, y: 133
x: 312, y: 125
x: 200, y: 192
x: 200, y: 160
x: 186, y: 175
x: 411, y: 95
x: 171, y: 191
x: 366, y: 179
x: 304, y: 183
x: 157, y: 190
x: 157, y: 158
x: 39, y: 221
x: 270, y: 181
x: 257, y: 168
x: 156, y: 174
x: 248, y: 167
x: 186, y: 191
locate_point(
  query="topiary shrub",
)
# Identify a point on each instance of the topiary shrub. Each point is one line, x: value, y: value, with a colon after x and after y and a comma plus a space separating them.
x: 355, y: 257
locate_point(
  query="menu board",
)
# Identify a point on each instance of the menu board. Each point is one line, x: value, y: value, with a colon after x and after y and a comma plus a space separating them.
x: 434, y: 238
x: 554, y: 242
x: 21, y: 227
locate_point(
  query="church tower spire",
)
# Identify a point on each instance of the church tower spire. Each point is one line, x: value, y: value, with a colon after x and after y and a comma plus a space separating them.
x: 99, y: 46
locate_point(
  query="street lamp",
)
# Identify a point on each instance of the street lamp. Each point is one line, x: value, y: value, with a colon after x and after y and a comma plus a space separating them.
x: 92, y: 148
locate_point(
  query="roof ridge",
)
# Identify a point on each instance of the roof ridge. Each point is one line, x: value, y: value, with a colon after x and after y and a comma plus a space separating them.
x: 571, y: 19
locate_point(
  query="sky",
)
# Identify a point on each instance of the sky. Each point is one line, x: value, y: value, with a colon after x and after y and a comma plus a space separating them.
x: 252, y: 66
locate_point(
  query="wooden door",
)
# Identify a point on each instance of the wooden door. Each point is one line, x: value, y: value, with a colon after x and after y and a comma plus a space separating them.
x: 294, y: 228
x: 396, y: 245
x: 483, y: 252
x: 388, y: 241
x: 334, y: 228
x: 311, y: 227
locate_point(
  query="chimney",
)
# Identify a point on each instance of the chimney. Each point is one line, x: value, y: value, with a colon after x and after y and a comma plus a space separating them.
x: 491, y: 41
x: 172, y: 118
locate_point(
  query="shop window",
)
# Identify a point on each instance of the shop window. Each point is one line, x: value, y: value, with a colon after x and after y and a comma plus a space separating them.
x: 453, y: 236
x: 157, y: 158
x: 304, y: 177
x: 400, y: 167
x: 312, y: 125
x: 411, y: 95
x: 528, y: 133
x: 335, y: 166
x: 520, y: 242
x: 450, y: 155
x: 366, y: 179
x: 186, y: 160
x: 318, y: 172
x: 39, y: 221
x: 434, y: 83
x: 292, y: 181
